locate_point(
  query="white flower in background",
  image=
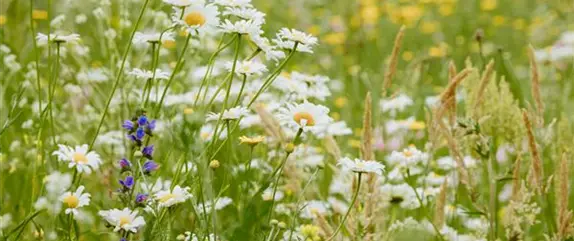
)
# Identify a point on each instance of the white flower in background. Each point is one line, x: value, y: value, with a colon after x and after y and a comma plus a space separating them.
x: 167, y: 198
x: 220, y: 203
x: 246, y: 13
x: 361, y: 166
x: 229, y: 114
x: 247, y: 67
x: 338, y: 128
x: 5, y: 221
x: 310, y: 209
x: 401, y: 195
x: 148, y: 74
x: 75, y: 200
x: 78, y: 157
x: 268, y: 195
x: 42, y: 39
x: 396, y: 104
x: 408, y: 158
x: 155, y: 187
x: 249, y: 27
x: 308, y: 116
x: 207, y: 131
x: 297, y: 36
x: 56, y: 183
x: 125, y: 219
x: 151, y: 37
x: 271, y: 52
x: 479, y: 225
x: 290, y: 45
x: 179, y: 3
x: 198, y: 17
x: 435, y: 179
x: 97, y: 75
x: 234, y: 3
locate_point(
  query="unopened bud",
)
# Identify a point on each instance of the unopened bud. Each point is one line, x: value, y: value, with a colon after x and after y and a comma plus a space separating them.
x: 289, y: 147
x: 214, y: 164
x: 138, y: 154
x: 282, y: 225
x: 274, y: 222
x: 479, y: 35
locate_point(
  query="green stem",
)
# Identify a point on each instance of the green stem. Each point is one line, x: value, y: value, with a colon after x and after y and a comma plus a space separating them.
x: 119, y: 74
x: 149, y: 83
x: 241, y: 90
x: 350, y: 208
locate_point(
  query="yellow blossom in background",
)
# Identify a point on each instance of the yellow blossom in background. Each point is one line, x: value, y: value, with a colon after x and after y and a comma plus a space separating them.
x: 252, y: 141
x: 354, y: 143
x: 314, y: 29
x: 411, y: 14
x: 39, y: 14
x: 168, y: 44
x: 407, y: 55
x: 429, y: 27
x: 437, y: 51
x: 336, y: 116
x: 358, y: 132
x: 188, y: 111
x: 334, y: 38
x: 340, y: 102
x: 96, y: 64
x: 2, y: 19
x: 417, y: 125
x: 370, y: 14
x: 519, y: 24
x: 446, y: 9
x: 488, y: 5
x: 498, y: 20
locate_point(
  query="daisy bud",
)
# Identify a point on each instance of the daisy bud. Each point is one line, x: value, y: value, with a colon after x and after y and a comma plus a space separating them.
x: 289, y: 147
x: 274, y: 222
x: 138, y: 154
x: 282, y: 225
x: 214, y: 164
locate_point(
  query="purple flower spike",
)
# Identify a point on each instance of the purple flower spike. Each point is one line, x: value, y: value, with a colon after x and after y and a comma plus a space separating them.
x: 141, y: 198
x: 128, y: 183
x: 142, y: 120
x: 151, y: 125
x: 125, y: 164
x: 150, y: 166
x: 128, y: 125
x: 140, y: 133
x: 148, y: 151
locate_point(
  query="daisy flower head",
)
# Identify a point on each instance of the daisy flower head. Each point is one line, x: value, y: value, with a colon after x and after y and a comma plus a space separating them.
x: 179, y: 3
x: 42, y: 39
x: 75, y: 200
x: 199, y: 17
x: 124, y: 219
x: 249, y: 27
x: 167, y: 198
x: 148, y: 74
x: 408, y: 158
x: 245, y: 13
x: 252, y: 141
x: 401, y: 195
x: 297, y: 36
x: 307, y: 116
x: 247, y: 67
x: 312, y: 208
x: 271, y: 52
x: 290, y: 45
x: 79, y: 157
x: 229, y: 114
x: 396, y: 104
x: 234, y: 3
x: 361, y: 166
x: 152, y: 37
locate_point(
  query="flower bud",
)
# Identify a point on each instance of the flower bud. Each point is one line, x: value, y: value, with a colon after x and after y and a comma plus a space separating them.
x: 214, y: 164
x: 289, y: 147
x: 282, y: 225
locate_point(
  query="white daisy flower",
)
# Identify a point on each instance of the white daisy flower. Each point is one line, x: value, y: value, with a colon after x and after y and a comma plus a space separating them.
x: 249, y: 27
x: 297, y: 36
x: 5, y: 221
x: 207, y: 131
x: 233, y: 3
x: 361, y: 166
x: 56, y: 183
x: 271, y: 53
x: 246, y: 13
x: 152, y: 37
x: 179, y: 3
x: 75, y: 200
x: 308, y: 116
x: 125, y: 219
x: 78, y: 157
x: 247, y: 67
x: 290, y: 45
x: 167, y: 198
x: 402, y: 195
x: 267, y: 195
x: 198, y: 17
x: 148, y: 74
x: 396, y: 104
x: 312, y: 208
x: 42, y: 39
x: 229, y: 114
x: 408, y: 158
x: 220, y: 203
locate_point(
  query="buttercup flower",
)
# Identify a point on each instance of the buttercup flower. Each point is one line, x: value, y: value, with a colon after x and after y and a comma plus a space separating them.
x: 124, y: 219
x: 78, y: 157
x: 75, y: 200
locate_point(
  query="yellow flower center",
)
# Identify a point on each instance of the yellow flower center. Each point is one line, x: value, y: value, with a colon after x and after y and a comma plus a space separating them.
x: 194, y: 19
x: 166, y: 197
x: 407, y: 153
x: 72, y: 201
x: 124, y: 220
x: 79, y: 158
x: 299, y: 116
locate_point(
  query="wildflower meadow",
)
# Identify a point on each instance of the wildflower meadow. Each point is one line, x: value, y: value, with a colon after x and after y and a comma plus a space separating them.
x: 286, y: 120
